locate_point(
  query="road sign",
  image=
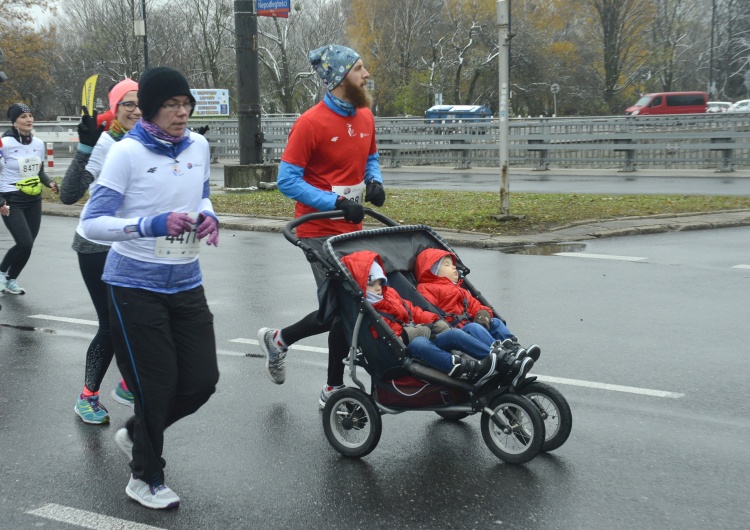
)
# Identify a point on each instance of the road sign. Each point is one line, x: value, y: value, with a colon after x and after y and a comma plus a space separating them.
x: 210, y: 102
x: 272, y: 8
x: 555, y: 88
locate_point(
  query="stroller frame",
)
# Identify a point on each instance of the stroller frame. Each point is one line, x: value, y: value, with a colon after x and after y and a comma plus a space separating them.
x: 513, y: 425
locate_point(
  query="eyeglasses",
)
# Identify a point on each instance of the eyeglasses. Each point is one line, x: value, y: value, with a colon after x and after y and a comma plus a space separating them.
x: 130, y: 106
x: 174, y: 107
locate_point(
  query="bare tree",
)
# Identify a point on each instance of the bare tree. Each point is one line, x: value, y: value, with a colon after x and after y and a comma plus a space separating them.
x: 283, y: 48
x: 621, y: 29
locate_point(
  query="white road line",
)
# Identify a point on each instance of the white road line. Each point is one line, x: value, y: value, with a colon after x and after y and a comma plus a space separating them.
x: 607, y: 386
x: 547, y: 378
x: 561, y: 380
x: 293, y: 347
x: 597, y: 256
x: 741, y: 267
x: 231, y: 353
x: 84, y: 519
x: 66, y: 319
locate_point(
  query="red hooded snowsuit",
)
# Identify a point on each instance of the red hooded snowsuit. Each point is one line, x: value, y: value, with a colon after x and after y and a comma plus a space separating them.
x: 442, y: 292
x: 359, y: 264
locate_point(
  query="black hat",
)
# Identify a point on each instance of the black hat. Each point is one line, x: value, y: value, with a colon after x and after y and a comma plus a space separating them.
x: 16, y: 110
x: 157, y: 85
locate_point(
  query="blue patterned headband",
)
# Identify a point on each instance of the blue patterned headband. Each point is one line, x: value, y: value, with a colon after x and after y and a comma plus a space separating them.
x: 332, y: 63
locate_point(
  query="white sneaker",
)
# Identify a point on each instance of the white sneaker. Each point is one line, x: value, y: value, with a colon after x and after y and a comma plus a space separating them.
x: 123, y: 441
x: 12, y: 287
x: 274, y: 355
x: 326, y: 393
x: 158, y: 496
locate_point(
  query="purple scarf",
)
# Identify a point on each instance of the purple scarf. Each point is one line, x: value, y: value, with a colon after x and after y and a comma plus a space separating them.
x: 155, y: 131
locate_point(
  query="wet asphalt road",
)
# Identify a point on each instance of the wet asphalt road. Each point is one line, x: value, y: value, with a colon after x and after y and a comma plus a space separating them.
x: 641, y: 182
x: 256, y: 457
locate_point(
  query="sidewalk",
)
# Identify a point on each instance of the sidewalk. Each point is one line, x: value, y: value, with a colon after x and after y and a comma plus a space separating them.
x: 575, y: 232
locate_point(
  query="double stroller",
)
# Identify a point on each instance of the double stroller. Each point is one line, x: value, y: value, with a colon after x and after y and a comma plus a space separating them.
x: 517, y: 422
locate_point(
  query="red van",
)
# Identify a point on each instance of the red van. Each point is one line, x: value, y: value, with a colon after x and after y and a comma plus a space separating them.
x: 669, y: 103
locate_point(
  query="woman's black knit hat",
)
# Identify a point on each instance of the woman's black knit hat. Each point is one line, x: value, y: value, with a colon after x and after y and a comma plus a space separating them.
x: 16, y: 110
x: 157, y: 85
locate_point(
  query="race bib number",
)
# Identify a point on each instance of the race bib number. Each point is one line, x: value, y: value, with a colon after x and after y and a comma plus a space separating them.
x: 353, y: 193
x: 183, y: 246
x: 29, y: 166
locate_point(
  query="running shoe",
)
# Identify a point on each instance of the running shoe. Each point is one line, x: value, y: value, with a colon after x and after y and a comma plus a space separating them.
x: 124, y: 442
x: 122, y: 396
x: 91, y: 411
x: 275, y: 355
x: 156, y: 496
x: 326, y: 393
x: 12, y: 287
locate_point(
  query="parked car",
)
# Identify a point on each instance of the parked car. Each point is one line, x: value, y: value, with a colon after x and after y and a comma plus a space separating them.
x: 718, y: 106
x: 741, y: 106
x: 669, y: 103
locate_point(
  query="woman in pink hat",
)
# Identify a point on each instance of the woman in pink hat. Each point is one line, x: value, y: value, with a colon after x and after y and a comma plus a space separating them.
x: 93, y: 146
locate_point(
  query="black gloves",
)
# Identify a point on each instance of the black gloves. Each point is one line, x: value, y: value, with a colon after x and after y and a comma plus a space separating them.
x: 88, y: 132
x: 353, y: 212
x: 375, y: 193
x: 483, y: 318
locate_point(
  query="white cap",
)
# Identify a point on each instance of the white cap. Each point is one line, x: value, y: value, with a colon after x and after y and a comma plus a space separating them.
x: 376, y: 273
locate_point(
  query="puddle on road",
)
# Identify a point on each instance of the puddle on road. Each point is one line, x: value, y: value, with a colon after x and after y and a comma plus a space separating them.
x: 28, y: 328
x: 544, y: 250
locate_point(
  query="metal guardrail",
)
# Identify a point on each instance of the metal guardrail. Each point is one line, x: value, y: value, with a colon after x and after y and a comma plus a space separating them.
x: 720, y: 141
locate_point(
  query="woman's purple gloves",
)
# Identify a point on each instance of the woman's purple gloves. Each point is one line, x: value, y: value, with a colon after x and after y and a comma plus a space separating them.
x: 208, y: 225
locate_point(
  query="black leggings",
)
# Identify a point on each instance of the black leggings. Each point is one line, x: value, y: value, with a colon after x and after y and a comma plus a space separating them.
x: 100, y: 352
x: 23, y: 223
x: 338, y: 346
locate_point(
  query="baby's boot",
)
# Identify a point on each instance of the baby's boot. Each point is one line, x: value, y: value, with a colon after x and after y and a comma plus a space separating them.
x: 473, y: 370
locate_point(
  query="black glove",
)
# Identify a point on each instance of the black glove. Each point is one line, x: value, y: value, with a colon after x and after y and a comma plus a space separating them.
x: 483, y: 318
x: 203, y: 130
x: 375, y: 193
x: 88, y: 132
x: 353, y: 212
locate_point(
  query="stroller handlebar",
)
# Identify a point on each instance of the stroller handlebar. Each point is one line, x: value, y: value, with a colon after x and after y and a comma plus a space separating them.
x: 294, y: 223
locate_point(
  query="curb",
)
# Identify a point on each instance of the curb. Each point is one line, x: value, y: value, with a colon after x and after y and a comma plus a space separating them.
x: 580, y: 231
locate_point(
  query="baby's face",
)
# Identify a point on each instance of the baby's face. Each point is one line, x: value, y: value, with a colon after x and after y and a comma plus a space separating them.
x: 375, y: 287
x: 447, y: 269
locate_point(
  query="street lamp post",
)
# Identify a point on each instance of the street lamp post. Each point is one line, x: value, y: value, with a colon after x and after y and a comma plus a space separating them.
x: 711, y: 86
x: 139, y: 30
x: 503, y: 44
x: 251, y: 172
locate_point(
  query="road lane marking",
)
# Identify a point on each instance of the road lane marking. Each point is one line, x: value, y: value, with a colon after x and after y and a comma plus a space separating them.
x: 551, y: 379
x: 84, y: 519
x: 598, y: 256
x: 607, y: 386
x: 741, y: 267
x: 66, y: 319
x: 292, y: 347
x: 547, y: 378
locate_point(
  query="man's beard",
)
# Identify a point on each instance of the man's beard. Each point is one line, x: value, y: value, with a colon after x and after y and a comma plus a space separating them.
x: 357, y: 96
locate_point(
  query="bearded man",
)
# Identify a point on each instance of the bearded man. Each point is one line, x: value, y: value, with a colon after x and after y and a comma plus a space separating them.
x: 330, y: 163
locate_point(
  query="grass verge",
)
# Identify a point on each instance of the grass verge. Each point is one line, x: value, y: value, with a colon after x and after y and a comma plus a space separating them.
x: 473, y: 211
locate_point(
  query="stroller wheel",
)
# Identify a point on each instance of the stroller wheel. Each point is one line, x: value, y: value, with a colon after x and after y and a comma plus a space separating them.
x: 452, y: 416
x: 352, y: 422
x: 515, y: 431
x: 558, y: 419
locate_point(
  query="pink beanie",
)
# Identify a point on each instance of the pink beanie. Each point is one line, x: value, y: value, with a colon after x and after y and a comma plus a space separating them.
x: 119, y: 90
